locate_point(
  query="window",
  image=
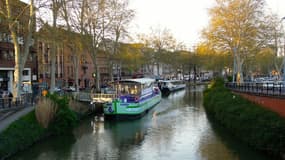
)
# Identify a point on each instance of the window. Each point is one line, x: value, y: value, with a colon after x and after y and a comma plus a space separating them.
x: 10, y: 55
x: 25, y: 72
x: 4, y: 55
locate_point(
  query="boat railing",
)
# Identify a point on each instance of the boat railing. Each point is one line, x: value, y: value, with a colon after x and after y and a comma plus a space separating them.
x: 102, y: 97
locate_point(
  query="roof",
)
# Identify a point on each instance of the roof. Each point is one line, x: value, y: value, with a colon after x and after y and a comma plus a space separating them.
x: 139, y: 80
x: 171, y: 80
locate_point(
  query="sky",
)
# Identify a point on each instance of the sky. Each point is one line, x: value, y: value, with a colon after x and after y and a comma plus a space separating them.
x: 184, y: 18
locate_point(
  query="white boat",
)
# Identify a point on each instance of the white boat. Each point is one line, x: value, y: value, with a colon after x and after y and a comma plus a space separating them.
x: 167, y: 86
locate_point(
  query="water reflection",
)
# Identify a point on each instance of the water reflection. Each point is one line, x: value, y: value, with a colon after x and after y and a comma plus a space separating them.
x: 59, y: 146
x: 177, y: 128
x: 222, y: 144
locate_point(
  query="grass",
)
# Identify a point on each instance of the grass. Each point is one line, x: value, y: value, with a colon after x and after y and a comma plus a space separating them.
x: 21, y: 134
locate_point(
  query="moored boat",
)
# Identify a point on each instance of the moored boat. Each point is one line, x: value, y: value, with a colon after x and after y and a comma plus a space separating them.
x: 167, y: 86
x: 135, y: 97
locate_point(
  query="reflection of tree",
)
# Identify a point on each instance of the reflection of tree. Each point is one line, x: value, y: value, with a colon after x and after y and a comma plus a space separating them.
x: 194, y: 97
x: 93, y: 141
x: 222, y: 145
x: 54, y: 147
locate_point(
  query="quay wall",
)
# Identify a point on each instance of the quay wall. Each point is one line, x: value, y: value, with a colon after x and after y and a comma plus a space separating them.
x: 275, y: 104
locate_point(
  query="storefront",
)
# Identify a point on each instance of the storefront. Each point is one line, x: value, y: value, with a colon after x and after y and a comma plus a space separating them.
x: 4, y: 79
x: 7, y: 79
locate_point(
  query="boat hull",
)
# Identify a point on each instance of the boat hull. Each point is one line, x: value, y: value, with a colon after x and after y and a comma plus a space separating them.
x: 166, y: 90
x: 121, y: 110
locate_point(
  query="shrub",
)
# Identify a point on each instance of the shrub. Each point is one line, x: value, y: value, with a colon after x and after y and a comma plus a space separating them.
x: 21, y: 134
x: 65, y: 119
x: 255, y: 125
x: 28, y: 130
x: 64, y: 122
x: 45, y: 111
x: 77, y: 107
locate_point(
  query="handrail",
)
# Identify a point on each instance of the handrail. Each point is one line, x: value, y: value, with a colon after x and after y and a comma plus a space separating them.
x: 21, y: 101
x: 102, y: 97
x: 276, y: 89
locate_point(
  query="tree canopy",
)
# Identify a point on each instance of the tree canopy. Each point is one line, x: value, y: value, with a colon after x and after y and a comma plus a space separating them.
x: 239, y: 27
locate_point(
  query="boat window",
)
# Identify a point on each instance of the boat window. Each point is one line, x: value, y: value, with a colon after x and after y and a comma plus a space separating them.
x: 129, y: 89
x: 147, y: 85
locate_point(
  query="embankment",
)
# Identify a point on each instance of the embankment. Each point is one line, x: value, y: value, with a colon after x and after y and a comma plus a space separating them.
x: 256, y: 126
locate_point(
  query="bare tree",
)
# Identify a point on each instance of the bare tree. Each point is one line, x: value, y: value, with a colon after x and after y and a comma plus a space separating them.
x: 160, y: 41
x: 14, y: 21
x: 120, y: 17
x: 72, y: 37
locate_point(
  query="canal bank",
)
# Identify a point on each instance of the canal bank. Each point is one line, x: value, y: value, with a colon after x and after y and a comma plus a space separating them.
x: 27, y: 127
x: 177, y: 128
x: 256, y: 126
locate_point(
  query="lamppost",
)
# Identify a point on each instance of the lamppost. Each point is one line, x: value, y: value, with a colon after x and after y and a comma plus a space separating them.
x: 283, y: 57
x: 235, y: 65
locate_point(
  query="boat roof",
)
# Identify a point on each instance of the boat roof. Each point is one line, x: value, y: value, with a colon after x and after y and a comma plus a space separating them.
x: 172, y: 80
x: 139, y: 80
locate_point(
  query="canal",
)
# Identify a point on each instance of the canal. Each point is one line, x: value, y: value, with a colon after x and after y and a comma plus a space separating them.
x: 177, y: 128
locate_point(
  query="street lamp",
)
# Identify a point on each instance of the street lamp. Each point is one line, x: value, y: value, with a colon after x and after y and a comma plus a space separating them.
x: 283, y: 57
x: 234, y: 63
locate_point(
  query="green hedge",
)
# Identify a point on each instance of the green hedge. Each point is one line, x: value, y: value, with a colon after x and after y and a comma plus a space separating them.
x: 20, y: 134
x: 26, y: 130
x: 65, y: 119
x: 258, y: 127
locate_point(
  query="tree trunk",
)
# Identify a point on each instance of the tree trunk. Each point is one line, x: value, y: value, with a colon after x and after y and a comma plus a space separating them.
x: 97, y: 78
x: 158, y: 68
x: 111, y: 70
x: 20, y: 58
x: 239, y: 62
x: 55, y: 9
x: 52, y: 74
x: 76, y: 69
x: 18, y: 71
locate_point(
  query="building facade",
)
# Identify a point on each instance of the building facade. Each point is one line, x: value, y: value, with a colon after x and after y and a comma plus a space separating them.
x: 65, y: 67
x: 7, y: 54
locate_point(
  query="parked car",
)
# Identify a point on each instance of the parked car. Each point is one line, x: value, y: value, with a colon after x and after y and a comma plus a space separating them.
x: 69, y: 89
x: 272, y: 84
x: 56, y: 89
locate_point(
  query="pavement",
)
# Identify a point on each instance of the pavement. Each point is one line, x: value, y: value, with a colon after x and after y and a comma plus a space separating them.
x: 9, y: 116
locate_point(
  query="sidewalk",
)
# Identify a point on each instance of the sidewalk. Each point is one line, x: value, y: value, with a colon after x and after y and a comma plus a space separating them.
x: 8, y: 118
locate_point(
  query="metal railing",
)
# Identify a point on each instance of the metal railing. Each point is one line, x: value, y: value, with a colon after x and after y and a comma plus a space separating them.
x: 274, y: 89
x: 24, y: 100
x: 102, y: 97
x: 82, y: 96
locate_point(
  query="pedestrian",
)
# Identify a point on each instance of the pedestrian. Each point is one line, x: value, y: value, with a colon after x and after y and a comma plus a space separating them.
x: 2, y: 98
x: 93, y: 88
x: 35, y: 92
x: 10, y: 98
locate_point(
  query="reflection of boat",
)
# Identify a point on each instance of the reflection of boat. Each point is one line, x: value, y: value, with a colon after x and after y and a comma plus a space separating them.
x: 126, y: 132
x: 135, y: 97
x: 167, y: 86
x: 98, y: 99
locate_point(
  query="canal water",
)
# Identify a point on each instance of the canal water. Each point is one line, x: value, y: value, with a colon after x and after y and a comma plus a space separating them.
x: 177, y: 128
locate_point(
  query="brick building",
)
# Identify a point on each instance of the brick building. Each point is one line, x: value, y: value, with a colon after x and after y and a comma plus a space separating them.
x: 65, y: 68
x: 7, y: 58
